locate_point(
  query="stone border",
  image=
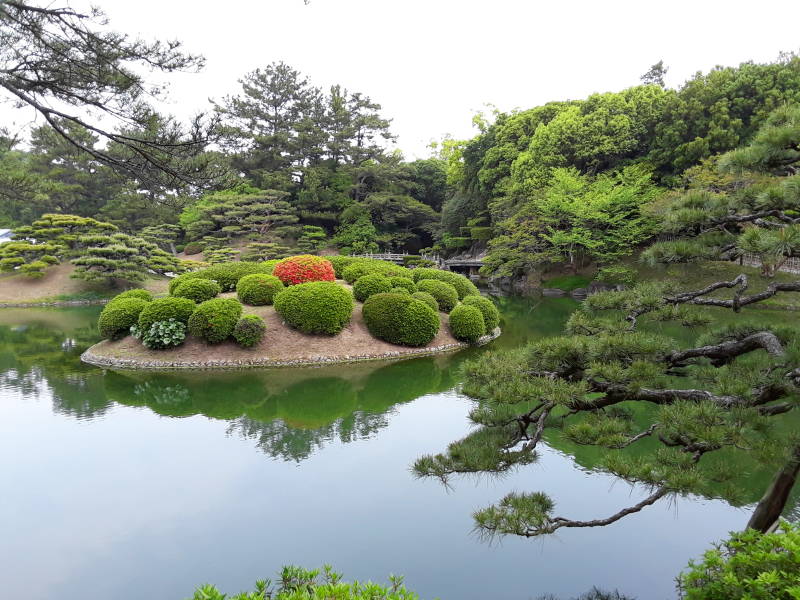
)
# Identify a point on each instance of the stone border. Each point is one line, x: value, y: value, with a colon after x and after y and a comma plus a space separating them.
x: 54, y: 303
x: 108, y: 362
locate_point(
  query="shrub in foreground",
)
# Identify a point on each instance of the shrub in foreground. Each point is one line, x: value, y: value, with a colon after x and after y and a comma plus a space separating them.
x: 491, y: 316
x: 463, y: 285
x: 400, y: 319
x: 316, y: 307
x: 403, y: 282
x: 303, y: 269
x: 400, y: 290
x: 118, y: 316
x: 161, y: 334
x: 134, y: 293
x: 164, y: 309
x: 340, y: 263
x: 368, y: 285
x: 445, y: 294
x: 215, y: 319
x: 198, y: 290
x: 366, y: 266
x: 258, y: 289
x: 427, y: 299
x: 227, y: 275
x: 249, y: 331
x: 466, y: 323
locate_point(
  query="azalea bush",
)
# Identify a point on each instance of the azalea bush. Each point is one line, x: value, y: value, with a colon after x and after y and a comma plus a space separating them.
x: 304, y: 269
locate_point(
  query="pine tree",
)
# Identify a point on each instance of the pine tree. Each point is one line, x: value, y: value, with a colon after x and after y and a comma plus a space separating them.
x: 120, y: 256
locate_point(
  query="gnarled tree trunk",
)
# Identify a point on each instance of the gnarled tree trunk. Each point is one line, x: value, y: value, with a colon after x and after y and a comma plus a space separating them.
x: 769, y: 508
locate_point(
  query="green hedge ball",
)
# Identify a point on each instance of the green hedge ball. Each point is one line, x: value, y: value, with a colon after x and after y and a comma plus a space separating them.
x: 463, y: 285
x: 403, y: 282
x: 164, y: 309
x: 315, y: 307
x: 258, y: 289
x: 118, y: 316
x: 368, y: 285
x: 445, y: 294
x: 214, y: 320
x: 198, y: 290
x: 135, y: 293
x: 249, y: 331
x: 466, y: 323
x: 491, y: 316
x: 427, y: 299
x: 400, y: 319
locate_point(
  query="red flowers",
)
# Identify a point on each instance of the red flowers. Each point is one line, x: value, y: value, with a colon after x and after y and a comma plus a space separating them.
x: 304, y: 268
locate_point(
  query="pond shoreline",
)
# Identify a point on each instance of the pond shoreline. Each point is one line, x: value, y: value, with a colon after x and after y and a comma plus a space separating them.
x: 55, y: 303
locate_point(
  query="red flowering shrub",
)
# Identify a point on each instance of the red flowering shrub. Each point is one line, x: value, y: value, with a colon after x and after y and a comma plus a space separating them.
x: 303, y: 269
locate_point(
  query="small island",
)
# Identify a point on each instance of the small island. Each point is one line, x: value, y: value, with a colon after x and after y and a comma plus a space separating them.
x: 300, y: 311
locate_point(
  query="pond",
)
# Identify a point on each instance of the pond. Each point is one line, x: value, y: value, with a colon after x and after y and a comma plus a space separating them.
x: 130, y: 485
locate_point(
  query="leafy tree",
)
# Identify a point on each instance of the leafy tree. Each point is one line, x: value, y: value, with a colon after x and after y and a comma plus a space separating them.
x: 356, y: 234
x: 221, y: 255
x: 30, y: 259
x: 401, y: 220
x: 65, y: 231
x: 312, y: 239
x: 118, y: 256
x: 260, y: 251
x: 164, y: 236
x: 429, y: 182
x: 655, y: 75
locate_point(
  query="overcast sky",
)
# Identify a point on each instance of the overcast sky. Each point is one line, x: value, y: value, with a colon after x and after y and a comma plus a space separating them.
x: 432, y: 63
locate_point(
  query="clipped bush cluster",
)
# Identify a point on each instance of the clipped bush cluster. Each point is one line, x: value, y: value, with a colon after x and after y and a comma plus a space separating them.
x: 193, y: 248
x: 403, y: 282
x: 445, y: 294
x: 135, y: 293
x: 400, y: 290
x: 340, y: 263
x: 214, y: 320
x: 316, y: 307
x: 400, y: 319
x: 198, y: 290
x: 119, y: 315
x: 249, y: 330
x: 227, y: 275
x: 427, y: 299
x: 258, y: 289
x: 161, y: 334
x: 368, y: 285
x: 304, y: 269
x: 491, y: 316
x: 164, y: 309
x: 466, y: 323
x: 463, y: 285
x: 368, y: 266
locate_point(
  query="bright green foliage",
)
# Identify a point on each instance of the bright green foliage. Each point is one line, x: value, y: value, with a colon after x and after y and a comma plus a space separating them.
x: 358, y: 236
x: 616, y: 274
x: 258, y: 289
x: 315, y: 307
x: 220, y: 255
x: 364, y: 266
x: 257, y: 251
x: 161, y: 334
x: 749, y: 565
x: 491, y: 316
x: 121, y: 257
x: 400, y: 319
x: 214, y: 320
x: 227, y: 275
x: 427, y: 299
x: 445, y: 294
x: 164, y: 309
x: 400, y: 290
x: 466, y: 323
x: 403, y: 282
x: 249, y: 331
x: 197, y: 290
x: 463, y: 285
x: 134, y: 293
x: 312, y: 239
x: 367, y: 285
x: 66, y: 231
x: 119, y: 315
x: 340, y: 263
x: 29, y: 259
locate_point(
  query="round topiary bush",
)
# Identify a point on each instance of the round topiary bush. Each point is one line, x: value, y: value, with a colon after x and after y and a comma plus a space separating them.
x: 198, y: 290
x: 445, y: 294
x: 227, y: 275
x: 164, y: 309
x: 491, y: 316
x: 316, y: 307
x: 214, y: 320
x: 367, y: 266
x: 269, y: 265
x: 304, y: 269
x: 400, y: 319
x: 466, y: 323
x: 258, y: 289
x: 403, y: 282
x: 135, y: 293
x: 193, y: 248
x: 427, y: 299
x: 463, y: 285
x: 340, y: 263
x: 119, y: 315
x: 367, y: 285
x: 400, y: 290
x: 249, y: 331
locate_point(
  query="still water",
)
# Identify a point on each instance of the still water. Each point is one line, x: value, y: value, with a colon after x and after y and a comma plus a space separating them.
x: 123, y: 486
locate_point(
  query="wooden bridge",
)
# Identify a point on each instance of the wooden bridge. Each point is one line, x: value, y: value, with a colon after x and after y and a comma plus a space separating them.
x: 465, y: 265
x: 399, y: 258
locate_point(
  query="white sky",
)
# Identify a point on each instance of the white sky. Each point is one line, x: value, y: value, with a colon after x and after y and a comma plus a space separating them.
x: 431, y: 63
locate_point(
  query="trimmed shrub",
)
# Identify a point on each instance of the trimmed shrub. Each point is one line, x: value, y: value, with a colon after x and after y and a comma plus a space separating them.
x: 134, y: 293
x: 367, y: 285
x: 198, y: 290
x: 400, y: 319
x: 367, y: 266
x: 463, y: 285
x: 269, y: 265
x: 227, y: 275
x: 400, y: 290
x: 445, y: 294
x: 491, y: 316
x: 466, y: 323
x: 119, y: 315
x: 304, y: 269
x: 215, y: 319
x: 427, y: 299
x: 162, y: 334
x: 316, y: 307
x: 340, y: 263
x: 193, y: 248
x: 403, y: 282
x: 164, y: 309
x: 249, y: 331
x: 258, y: 289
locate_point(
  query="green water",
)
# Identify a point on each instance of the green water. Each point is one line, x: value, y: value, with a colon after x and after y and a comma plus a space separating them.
x: 123, y: 485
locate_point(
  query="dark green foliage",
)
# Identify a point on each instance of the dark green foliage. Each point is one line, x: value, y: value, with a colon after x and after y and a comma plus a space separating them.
x: 220, y: 255
x: 466, y: 323
x: 193, y: 248
x: 445, y: 294
x: 749, y: 565
x: 403, y: 282
x: 427, y: 299
x: 119, y: 315
x: 227, y: 275
x: 161, y: 334
x: 198, y: 290
x: 616, y: 274
x: 249, y: 331
x: 315, y: 307
x: 257, y: 251
x: 164, y: 309
x: 312, y: 239
x: 462, y: 284
x: 214, y: 320
x: 134, y: 293
x: 367, y: 285
x: 119, y: 256
x: 258, y: 289
x: 491, y: 316
x: 400, y: 319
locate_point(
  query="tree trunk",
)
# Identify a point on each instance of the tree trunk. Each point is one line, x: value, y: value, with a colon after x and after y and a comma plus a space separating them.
x: 769, y: 508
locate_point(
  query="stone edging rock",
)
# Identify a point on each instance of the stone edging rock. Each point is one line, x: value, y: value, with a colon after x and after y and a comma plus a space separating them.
x: 56, y: 303
x: 162, y: 365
